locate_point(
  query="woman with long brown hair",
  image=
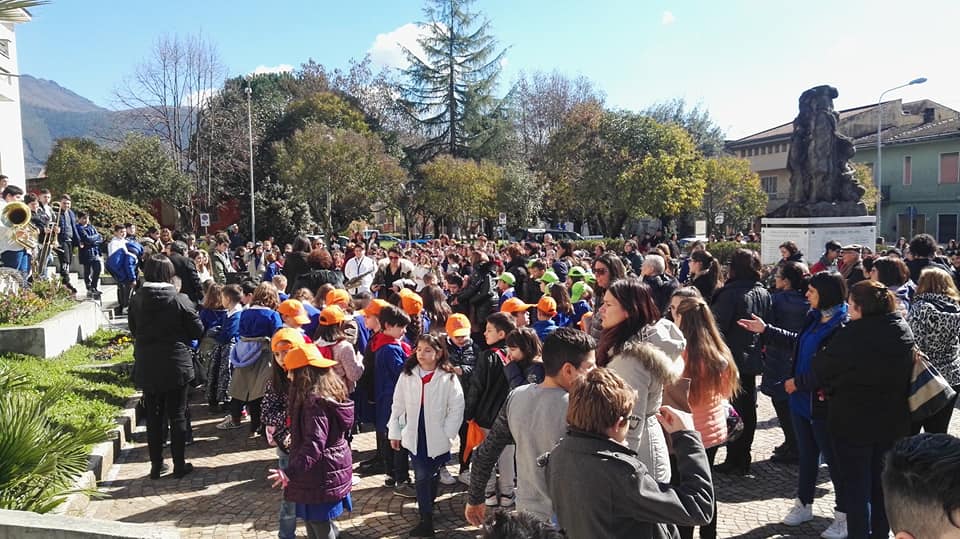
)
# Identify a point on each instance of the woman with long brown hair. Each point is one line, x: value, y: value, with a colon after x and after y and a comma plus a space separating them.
x: 436, y: 308
x: 714, y: 379
x: 645, y: 350
x: 607, y: 269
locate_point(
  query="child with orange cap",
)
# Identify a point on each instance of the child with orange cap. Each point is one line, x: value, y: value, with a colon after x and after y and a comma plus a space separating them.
x: 274, y: 417
x: 412, y: 304
x: 317, y: 477
x: 517, y: 310
x: 464, y: 353
x: 546, y: 311
x: 333, y: 343
x: 355, y: 330
x: 294, y: 315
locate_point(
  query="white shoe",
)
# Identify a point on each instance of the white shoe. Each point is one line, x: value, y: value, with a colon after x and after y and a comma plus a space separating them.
x: 492, y: 500
x: 228, y: 424
x: 798, y: 514
x: 508, y: 502
x: 837, y: 529
x: 464, y: 478
x: 445, y: 477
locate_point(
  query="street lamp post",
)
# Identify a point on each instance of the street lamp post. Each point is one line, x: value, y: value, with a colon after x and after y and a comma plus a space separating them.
x: 253, y: 211
x: 879, y: 165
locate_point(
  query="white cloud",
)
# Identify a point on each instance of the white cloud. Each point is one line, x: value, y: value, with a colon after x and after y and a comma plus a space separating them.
x: 199, y: 98
x: 263, y: 70
x: 387, y: 49
x: 667, y: 18
x: 504, y: 61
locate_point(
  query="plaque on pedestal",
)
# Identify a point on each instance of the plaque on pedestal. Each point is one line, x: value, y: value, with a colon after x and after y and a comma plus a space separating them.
x: 812, y: 233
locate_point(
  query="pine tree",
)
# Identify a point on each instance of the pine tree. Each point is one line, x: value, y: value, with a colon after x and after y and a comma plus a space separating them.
x: 451, y: 88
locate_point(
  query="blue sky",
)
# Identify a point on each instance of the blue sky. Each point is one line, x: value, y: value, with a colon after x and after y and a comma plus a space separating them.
x: 747, y: 61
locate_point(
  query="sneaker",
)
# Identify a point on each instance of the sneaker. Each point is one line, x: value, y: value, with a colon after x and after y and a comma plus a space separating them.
x: 445, y: 477
x: 405, y: 490
x: 508, y: 502
x: 228, y: 424
x: 798, y: 514
x: 464, y: 477
x: 354, y: 480
x: 390, y: 482
x: 838, y: 528
x: 492, y: 500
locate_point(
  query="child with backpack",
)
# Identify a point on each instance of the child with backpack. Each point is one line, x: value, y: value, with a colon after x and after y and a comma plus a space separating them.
x: 485, y: 396
x: 252, y: 359
x: 333, y: 344
x: 425, y: 415
x: 221, y: 331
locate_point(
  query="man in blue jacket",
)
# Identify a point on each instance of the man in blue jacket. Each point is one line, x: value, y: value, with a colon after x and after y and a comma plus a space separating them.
x: 68, y: 239
x: 89, y: 250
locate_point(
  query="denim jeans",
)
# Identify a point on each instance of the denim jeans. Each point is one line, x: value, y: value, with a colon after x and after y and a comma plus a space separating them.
x: 426, y: 474
x: 858, y: 469
x: 288, y: 510
x: 91, y: 274
x: 812, y: 440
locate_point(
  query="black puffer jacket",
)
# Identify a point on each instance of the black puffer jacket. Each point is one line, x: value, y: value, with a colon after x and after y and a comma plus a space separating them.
x: 162, y: 323
x: 294, y: 265
x: 866, y: 370
x: 480, y: 294
x: 315, y: 278
x: 735, y: 300
x: 662, y: 287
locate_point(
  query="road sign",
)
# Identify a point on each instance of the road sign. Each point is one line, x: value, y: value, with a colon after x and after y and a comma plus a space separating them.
x: 503, y: 218
x: 718, y: 219
x: 204, y: 219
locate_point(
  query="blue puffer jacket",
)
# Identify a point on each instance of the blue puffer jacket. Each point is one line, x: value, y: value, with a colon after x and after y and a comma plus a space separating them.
x: 122, y: 266
x: 789, y: 312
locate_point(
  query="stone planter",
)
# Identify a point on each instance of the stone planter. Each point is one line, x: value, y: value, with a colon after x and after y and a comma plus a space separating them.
x: 55, y: 334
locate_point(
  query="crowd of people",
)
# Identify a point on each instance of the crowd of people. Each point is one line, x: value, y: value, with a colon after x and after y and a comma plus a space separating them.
x: 634, y: 366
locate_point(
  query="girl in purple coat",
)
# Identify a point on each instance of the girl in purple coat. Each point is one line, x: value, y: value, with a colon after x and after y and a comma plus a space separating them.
x: 318, y: 474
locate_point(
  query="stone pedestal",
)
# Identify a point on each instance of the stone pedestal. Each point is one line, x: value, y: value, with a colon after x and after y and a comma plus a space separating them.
x: 811, y: 233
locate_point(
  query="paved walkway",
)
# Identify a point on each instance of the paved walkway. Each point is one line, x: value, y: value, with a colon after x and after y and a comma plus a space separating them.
x: 228, y: 495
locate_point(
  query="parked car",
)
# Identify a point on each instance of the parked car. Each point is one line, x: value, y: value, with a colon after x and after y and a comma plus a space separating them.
x: 685, y: 242
x: 536, y: 234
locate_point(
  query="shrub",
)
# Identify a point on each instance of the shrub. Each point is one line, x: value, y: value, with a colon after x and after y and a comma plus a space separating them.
x: 723, y: 250
x: 106, y: 211
x: 25, y: 306
x: 38, y: 459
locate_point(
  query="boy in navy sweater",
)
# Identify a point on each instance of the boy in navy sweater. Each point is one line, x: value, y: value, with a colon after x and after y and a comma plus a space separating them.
x: 390, y: 353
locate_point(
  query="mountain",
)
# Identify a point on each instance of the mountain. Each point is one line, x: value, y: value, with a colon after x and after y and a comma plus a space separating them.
x: 50, y: 112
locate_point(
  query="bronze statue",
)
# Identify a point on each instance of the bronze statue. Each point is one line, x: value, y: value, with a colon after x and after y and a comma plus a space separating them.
x: 822, y: 182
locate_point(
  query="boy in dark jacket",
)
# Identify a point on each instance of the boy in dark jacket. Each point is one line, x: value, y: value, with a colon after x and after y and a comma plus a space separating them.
x: 615, y: 496
x: 485, y: 396
x: 390, y: 353
x: 89, y: 250
x: 463, y: 353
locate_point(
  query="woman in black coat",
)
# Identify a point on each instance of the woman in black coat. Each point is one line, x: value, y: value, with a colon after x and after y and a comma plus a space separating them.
x: 295, y: 264
x: 866, y: 370
x: 163, y: 323
x: 741, y: 297
x: 480, y: 292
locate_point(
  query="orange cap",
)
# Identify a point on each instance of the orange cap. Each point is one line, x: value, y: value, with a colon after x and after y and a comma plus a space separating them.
x: 410, y: 302
x: 285, y: 339
x: 515, y: 305
x: 458, y: 325
x: 547, y: 305
x: 332, y: 315
x: 306, y: 354
x: 337, y: 296
x: 374, y: 307
x: 294, y: 308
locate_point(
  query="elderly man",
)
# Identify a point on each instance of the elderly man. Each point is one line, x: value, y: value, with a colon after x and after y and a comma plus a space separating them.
x: 851, y: 265
x: 653, y: 272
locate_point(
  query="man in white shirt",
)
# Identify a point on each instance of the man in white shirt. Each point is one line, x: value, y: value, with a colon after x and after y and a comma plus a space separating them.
x: 360, y: 266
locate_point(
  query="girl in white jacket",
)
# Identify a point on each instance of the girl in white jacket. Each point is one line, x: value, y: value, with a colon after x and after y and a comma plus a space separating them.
x: 426, y: 414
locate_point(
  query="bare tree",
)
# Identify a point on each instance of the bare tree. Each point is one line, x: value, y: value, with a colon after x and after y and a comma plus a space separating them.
x: 166, y: 94
x: 541, y: 102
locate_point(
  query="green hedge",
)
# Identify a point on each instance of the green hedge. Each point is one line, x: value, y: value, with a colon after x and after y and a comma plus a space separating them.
x: 106, y: 211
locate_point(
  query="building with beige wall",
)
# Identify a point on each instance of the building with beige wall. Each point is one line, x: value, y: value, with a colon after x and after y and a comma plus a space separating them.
x: 11, y: 133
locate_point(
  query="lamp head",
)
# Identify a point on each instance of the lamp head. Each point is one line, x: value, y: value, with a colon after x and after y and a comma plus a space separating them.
x: 919, y: 80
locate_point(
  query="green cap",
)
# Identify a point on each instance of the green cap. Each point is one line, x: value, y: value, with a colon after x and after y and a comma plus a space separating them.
x: 507, y: 277
x: 577, y: 272
x: 531, y: 261
x: 549, y: 277
x: 576, y: 292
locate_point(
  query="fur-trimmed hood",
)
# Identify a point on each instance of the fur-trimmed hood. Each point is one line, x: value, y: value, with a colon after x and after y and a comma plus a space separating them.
x: 658, y: 348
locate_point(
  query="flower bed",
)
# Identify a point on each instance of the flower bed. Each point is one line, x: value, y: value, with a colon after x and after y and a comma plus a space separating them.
x: 27, y: 306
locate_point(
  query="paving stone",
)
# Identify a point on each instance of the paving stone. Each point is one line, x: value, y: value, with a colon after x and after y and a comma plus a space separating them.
x: 228, y: 495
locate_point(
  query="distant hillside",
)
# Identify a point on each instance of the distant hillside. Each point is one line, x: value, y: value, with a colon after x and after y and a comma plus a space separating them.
x: 51, y: 112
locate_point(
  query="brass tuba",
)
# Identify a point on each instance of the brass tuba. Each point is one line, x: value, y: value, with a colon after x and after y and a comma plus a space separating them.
x: 16, y: 217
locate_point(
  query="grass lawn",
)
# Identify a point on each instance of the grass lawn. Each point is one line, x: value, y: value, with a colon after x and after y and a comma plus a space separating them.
x: 95, y: 376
